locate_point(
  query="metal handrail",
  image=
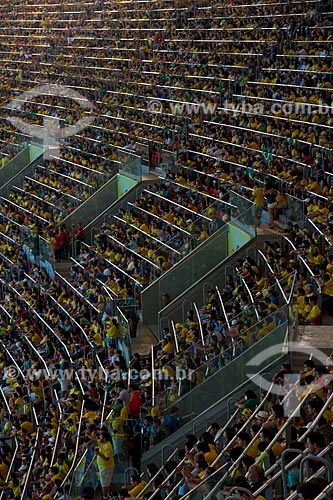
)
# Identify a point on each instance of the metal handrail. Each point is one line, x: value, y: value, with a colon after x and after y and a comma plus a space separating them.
x: 111, y: 264
x: 138, y: 229
x: 77, y: 439
x: 179, y: 206
x: 227, y: 424
x: 141, y: 257
x: 206, y: 195
x: 76, y: 468
x: 104, y: 406
x: 14, y: 362
x: 174, y: 336
x: 327, y: 405
x: 135, y: 207
x: 27, y: 193
x: 316, y: 228
x: 231, y: 349
x: 244, y: 426
x: 292, y: 288
x: 306, y: 459
x: 83, y: 167
x: 15, y: 439
x: 148, y: 403
x: 195, y: 307
x: 217, y: 472
x: 222, y: 306
x: 169, y: 476
x: 251, y: 298
x: 121, y: 313
x: 323, y: 496
x: 283, y: 468
x: 59, y: 429
x: 273, y: 274
x: 38, y: 355
x: 233, y: 440
x: 152, y: 479
x: 110, y: 293
x: 59, y: 406
x: 297, y: 459
x: 5, y: 401
x: 235, y: 489
x: 153, y: 377
x: 270, y: 471
x: 56, y: 336
x: 11, y: 465
x: 46, y: 186
x: 24, y: 210
x: 318, y: 458
x: 239, y: 315
x: 305, y: 264
x: 60, y: 277
x: 86, y: 338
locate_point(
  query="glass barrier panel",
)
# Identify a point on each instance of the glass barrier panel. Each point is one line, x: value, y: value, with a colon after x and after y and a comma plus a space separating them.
x: 245, y: 211
x: 221, y: 374
x: 177, y: 279
x: 295, y: 210
x: 130, y: 165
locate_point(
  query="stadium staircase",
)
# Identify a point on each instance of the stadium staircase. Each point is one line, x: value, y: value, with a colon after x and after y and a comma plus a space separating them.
x: 104, y: 203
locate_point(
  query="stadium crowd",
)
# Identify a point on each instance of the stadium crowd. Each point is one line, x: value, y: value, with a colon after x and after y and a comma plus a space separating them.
x: 241, y: 93
x: 126, y: 409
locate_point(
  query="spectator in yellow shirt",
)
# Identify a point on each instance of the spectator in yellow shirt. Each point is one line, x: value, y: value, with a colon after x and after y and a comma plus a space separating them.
x: 105, y: 462
x: 258, y: 199
x: 136, y: 486
x: 300, y: 301
x: 167, y: 346
x: 267, y: 326
x: 112, y: 333
x: 314, y: 314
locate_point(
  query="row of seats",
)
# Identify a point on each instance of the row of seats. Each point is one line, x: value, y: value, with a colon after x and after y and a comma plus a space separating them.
x: 242, y: 461
x: 11, y: 142
x: 171, y: 62
x: 148, y: 236
x: 97, y: 332
x: 237, y: 313
x: 43, y: 332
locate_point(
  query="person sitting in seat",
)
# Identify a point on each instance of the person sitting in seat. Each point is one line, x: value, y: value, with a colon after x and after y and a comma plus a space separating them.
x: 313, y: 316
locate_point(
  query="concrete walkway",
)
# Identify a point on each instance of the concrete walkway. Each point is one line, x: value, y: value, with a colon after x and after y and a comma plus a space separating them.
x: 144, y: 339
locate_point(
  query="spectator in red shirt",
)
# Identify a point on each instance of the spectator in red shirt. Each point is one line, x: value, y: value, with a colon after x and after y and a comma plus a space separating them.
x: 64, y: 241
x: 135, y: 403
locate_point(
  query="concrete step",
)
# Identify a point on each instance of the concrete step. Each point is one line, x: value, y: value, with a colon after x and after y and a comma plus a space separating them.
x: 264, y: 232
x: 146, y: 336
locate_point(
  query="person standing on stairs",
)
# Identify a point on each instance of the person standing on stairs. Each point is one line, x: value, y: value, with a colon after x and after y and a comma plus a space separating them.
x: 271, y: 205
x: 258, y: 200
x: 64, y: 242
x: 105, y: 462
